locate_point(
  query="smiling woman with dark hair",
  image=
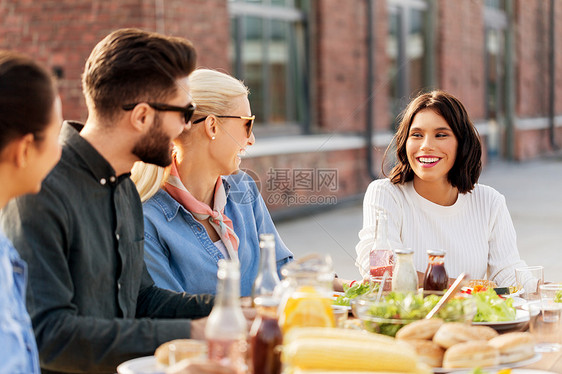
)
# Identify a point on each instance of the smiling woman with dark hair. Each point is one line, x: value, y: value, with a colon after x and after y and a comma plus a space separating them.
x: 433, y: 200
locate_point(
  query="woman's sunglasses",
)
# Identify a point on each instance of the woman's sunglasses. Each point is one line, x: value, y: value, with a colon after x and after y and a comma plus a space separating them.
x: 249, y: 122
x: 187, y: 111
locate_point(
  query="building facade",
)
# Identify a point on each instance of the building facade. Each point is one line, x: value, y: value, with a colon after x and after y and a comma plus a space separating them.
x: 328, y: 78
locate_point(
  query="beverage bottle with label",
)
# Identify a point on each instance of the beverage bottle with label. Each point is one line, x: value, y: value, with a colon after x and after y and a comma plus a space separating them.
x: 266, y: 337
x: 381, y: 258
x: 435, y: 278
x: 267, y: 278
x: 405, y: 277
x: 226, y: 328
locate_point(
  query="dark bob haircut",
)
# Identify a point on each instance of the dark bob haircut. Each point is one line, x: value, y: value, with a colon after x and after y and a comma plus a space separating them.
x: 27, y: 94
x: 467, y: 167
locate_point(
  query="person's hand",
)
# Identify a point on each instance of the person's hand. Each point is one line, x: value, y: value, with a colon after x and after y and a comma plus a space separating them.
x: 250, y: 314
x: 200, y: 367
x: 198, y: 328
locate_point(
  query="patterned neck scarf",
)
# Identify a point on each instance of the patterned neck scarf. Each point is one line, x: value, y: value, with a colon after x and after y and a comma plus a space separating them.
x: 220, y: 222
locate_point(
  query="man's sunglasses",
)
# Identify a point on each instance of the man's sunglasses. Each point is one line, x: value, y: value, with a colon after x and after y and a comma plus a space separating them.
x: 249, y: 122
x: 187, y: 111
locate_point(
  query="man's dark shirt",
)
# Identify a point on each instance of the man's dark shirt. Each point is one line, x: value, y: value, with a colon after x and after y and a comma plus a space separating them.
x: 91, y: 300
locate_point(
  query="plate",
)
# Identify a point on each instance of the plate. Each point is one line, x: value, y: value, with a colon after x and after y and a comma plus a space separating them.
x: 521, y: 317
x: 141, y: 365
x: 526, y: 362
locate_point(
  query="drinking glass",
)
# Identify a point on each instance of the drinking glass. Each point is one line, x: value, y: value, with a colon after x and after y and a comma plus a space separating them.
x: 528, y: 279
x: 340, y: 314
x: 545, y: 323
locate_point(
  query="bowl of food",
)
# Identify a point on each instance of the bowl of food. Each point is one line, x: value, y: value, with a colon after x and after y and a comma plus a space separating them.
x: 393, y: 311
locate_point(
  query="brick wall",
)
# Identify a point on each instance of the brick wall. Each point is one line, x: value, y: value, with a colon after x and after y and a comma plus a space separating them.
x: 460, y: 44
x: 62, y: 34
x: 341, y: 71
x: 532, y: 58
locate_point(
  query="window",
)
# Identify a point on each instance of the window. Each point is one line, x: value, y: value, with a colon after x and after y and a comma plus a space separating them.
x: 495, y: 23
x: 407, y: 53
x: 268, y: 52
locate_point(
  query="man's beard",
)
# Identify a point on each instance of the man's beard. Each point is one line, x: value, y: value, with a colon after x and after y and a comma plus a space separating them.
x: 154, y: 147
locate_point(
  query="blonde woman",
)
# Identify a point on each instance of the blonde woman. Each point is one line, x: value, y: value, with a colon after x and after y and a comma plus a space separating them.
x: 203, y: 208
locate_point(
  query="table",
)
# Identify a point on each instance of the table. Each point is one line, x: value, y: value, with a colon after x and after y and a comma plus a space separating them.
x: 549, y: 362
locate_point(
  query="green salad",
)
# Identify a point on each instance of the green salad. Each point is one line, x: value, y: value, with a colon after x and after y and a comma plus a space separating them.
x: 398, y: 309
x: 357, y: 289
x: 492, y: 308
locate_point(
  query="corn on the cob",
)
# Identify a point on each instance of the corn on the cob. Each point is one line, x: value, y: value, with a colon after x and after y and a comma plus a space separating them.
x: 314, y: 353
x: 422, y: 369
x: 298, y: 333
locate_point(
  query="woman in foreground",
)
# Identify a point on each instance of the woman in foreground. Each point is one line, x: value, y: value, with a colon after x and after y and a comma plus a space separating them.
x: 433, y: 200
x: 193, y: 215
x: 30, y: 123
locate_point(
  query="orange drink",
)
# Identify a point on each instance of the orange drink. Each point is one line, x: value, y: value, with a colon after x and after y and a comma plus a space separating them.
x: 307, y: 307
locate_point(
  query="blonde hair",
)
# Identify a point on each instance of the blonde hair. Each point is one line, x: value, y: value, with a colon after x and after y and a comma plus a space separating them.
x: 213, y: 93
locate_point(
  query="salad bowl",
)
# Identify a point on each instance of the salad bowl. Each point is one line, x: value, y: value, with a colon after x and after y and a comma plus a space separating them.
x: 395, y: 310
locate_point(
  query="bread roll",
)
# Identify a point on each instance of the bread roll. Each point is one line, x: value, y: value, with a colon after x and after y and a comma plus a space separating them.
x: 514, y: 346
x: 452, y: 333
x: 470, y: 355
x: 185, y: 348
x: 428, y: 352
x: 484, y: 332
x: 422, y: 329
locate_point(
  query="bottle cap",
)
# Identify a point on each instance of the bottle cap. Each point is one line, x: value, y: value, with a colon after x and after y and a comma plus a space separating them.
x: 404, y: 251
x: 436, y: 252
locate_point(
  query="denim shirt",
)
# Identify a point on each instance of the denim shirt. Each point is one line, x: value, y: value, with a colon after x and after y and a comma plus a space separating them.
x: 181, y: 256
x: 19, y: 351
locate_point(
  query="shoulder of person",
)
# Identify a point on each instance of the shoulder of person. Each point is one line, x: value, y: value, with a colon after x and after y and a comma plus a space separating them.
x: 160, y: 203
x: 482, y: 191
x: 385, y: 186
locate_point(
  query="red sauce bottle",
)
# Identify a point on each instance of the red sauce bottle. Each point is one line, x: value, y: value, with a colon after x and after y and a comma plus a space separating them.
x: 436, y: 278
x: 266, y: 338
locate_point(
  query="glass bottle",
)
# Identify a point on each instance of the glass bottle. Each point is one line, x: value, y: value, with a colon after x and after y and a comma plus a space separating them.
x: 307, y: 293
x: 381, y: 257
x: 435, y: 278
x: 226, y: 328
x: 267, y: 278
x: 405, y: 277
x: 266, y: 337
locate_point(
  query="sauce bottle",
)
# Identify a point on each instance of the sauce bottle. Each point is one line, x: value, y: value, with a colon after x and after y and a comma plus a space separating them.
x: 435, y: 278
x: 266, y: 337
x: 405, y: 278
x: 226, y: 328
x: 381, y: 257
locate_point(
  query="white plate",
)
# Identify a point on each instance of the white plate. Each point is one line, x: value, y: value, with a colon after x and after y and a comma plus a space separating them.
x: 141, y: 365
x: 529, y: 361
x: 521, y: 317
x: 518, y: 302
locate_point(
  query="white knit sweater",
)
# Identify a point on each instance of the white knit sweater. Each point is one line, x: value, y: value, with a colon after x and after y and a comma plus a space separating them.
x: 476, y: 232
